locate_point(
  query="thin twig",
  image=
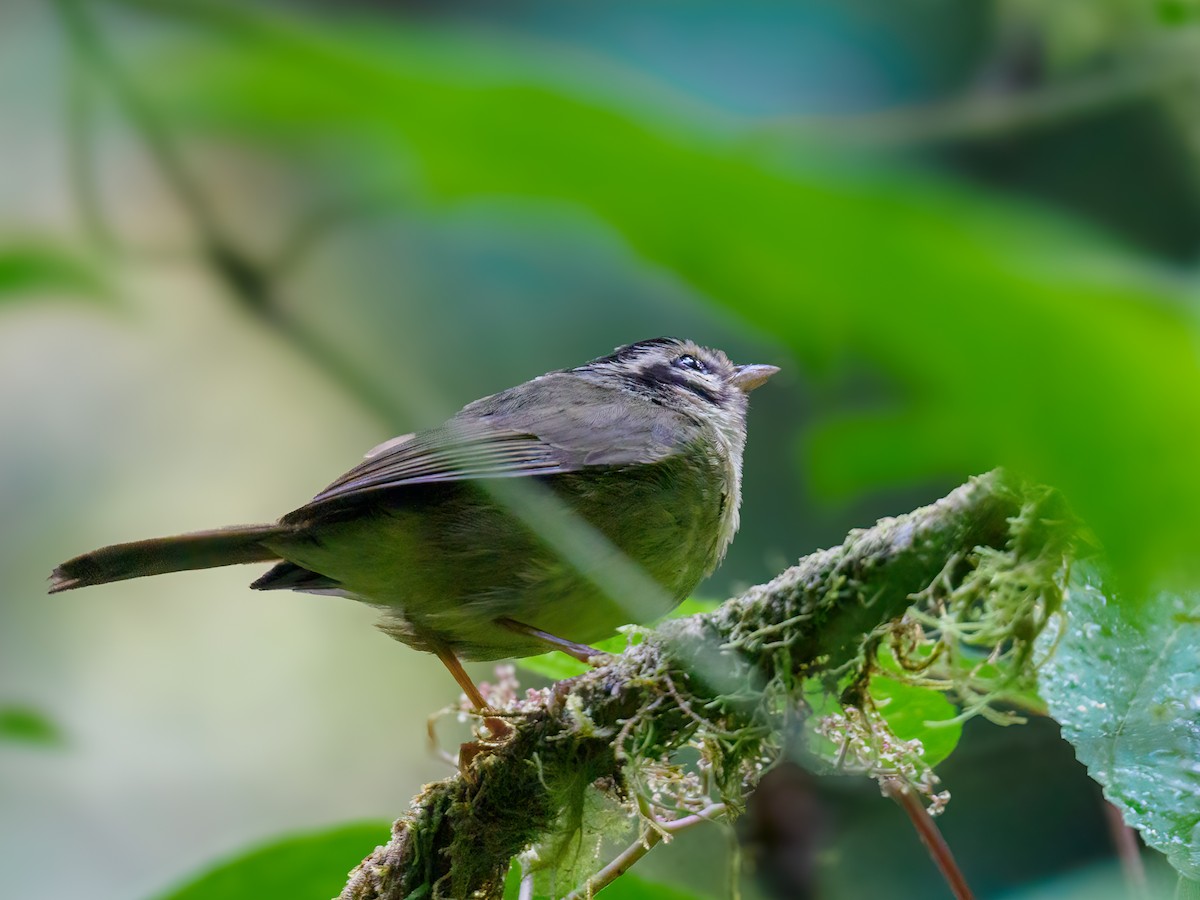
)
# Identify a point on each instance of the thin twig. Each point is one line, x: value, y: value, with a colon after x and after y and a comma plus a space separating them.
x: 92, y: 50
x: 931, y: 837
x: 81, y: 159
x: 319, y: 225
x: 983, y: 115
x: 250, y: 283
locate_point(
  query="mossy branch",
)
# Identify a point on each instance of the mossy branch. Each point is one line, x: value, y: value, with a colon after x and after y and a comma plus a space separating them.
x: 727, y: 678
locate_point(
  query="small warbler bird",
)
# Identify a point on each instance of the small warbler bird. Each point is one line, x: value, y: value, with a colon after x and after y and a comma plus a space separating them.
x: 643, y: 446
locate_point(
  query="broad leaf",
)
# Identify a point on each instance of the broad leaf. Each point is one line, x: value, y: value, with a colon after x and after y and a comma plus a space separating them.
x: 1006, y: 335
x: 1125, y: 686
x: 914, y: 713
x: 305, y: 867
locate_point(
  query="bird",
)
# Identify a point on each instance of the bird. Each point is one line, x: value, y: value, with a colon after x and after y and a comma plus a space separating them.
x: 641, y: 448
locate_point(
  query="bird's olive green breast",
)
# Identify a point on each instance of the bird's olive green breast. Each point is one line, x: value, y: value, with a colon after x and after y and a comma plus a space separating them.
x: 446, y: 560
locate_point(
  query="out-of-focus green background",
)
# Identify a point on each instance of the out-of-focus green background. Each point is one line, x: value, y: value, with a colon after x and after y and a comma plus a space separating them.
x: 966, y: 231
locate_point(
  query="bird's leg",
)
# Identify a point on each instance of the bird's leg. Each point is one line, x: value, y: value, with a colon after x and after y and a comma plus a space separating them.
x: 581, y: 652
x: 450, y: 661
x: 496, y: 725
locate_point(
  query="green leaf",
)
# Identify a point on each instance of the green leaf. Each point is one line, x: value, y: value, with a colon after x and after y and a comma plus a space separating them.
x: 306, y: 867
x: 913, y: 712
x: 626, y: 887
x: 631, y: 887
x: 39, y: 268
x: 1006, y: 335
x: 557, y: 666
x: 1178, y: 12
x: 22, y: 724
x: 910, y: 712
x: 1125, y: 686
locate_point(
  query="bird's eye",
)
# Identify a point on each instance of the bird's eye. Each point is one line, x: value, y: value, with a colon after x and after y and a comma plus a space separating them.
x: 688, y: 361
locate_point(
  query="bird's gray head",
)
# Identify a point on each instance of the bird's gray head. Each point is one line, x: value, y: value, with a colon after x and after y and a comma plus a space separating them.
x: 682, y: 375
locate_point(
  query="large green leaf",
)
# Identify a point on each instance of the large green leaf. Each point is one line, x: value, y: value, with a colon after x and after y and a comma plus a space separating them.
x: 1125, y: 686
x: 305, y: 867
x: 1009, y: 337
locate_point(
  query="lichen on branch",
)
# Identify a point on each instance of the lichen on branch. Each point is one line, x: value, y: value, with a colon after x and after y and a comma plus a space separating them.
x: 728, y: 683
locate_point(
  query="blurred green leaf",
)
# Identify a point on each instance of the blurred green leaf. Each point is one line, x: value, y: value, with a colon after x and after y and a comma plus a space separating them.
x: 627, y: 887
x: 37, y: 268
x: 1008, y: 336
x: 306, y: 867
x: 25, y: 725
x: 1125, y: 686
x: 913, y: 713
x: 631, y: 887
x: 1178, y: 12
x: 557, y: 666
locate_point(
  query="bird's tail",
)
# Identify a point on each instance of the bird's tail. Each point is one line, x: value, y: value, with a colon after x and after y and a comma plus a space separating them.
x: 198, y: 550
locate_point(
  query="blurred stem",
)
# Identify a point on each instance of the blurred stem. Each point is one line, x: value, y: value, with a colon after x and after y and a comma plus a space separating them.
x: 931, y: 837
x: 81, y: 153
x: 252, y: 285
x: 92, y: 52
x: 320, y: 225
x: 1187, y: 889
x: 1125, y: 841
x: 979, y: 115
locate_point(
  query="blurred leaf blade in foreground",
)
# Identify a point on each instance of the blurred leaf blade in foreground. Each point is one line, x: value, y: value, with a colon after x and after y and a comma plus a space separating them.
x: 25, y: 725
x: 305, y: 867
x: 29, y: 268
x: 1125, y: 687
x: 1009, y: 337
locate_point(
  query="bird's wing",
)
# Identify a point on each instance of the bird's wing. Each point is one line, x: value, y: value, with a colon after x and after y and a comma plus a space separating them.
x: 552, y: 425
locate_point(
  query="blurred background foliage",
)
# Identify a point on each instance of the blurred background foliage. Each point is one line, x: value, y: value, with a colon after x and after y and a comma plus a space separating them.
x: 242, y: 243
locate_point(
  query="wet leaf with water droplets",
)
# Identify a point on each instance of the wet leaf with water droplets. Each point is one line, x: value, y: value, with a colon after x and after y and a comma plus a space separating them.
x: 1125, y: 686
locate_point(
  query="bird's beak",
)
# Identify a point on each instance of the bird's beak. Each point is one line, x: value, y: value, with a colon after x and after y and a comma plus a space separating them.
x: 750, y: 377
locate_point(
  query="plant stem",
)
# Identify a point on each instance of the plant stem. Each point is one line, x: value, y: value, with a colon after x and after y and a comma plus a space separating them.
x: 252, y: 285
x: 1125, y: 842
x: 91, y: 49
x: 931, y: 837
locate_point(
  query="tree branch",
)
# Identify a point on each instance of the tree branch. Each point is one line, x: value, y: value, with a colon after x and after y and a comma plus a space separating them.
x: 460, y: 834
x: 250, y: 284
